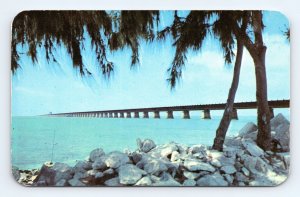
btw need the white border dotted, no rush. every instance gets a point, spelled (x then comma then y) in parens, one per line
(8, 187)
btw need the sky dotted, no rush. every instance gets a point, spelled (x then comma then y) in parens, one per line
(45, 87)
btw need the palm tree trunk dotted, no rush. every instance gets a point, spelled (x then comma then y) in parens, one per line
(225, 121)
(263, 111)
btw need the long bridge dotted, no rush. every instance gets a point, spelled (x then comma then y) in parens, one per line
(206, 108)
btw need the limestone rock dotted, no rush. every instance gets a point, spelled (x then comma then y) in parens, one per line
(116, 159)
(76, 183)
(248, 128)
(82, 166)
(212, 180)
(175, 156)
(61, 183)
(191, 175)
(252, 148)
(129, 174)
(145, 181)
(114, 182)
(196, 165)
(96, 153)
(163, 150)
(281, 126)
(229, 169)
(189, 182)
(99, 164)
(166, 180)
(146, 145)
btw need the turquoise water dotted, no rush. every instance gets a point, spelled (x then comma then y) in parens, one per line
(71, 139)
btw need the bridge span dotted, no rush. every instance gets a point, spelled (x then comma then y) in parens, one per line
(206, 108)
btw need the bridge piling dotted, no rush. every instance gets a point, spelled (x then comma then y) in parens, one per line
(146, 114)
(170, 115)
(110, 114)
(186, 114)
(156, 114)
(128, 115)
(121, 114)
(271, 112)
(234, 114)
(206, 114)
(136, 114)
(116, 115)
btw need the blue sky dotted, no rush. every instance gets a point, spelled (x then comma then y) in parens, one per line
(43, 88)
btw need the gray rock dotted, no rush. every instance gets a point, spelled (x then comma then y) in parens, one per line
(245, 171)
(61, 183)
(146, 145)
(163, 150)
(196, 165)
(76, 183)
(212, 180)
(175, 156)
(241, 177)
(136, 156)
(281, 126)
(114, 182)
(153, 165)
(99, 175)
(166, 180)
(96, 153)
(252, 148)
(145, 181)
(99, 164)
(216, 163)
(191, 175)
(233, 141)
(189, 182)
(255, 164)
(116, 159)
(16, 173)
(226, 160)
(130, 174)
(82, 166)
(109, 172)
(248, 128)
(197, 148)
(285, 157)
(228, 178)
(229, 169)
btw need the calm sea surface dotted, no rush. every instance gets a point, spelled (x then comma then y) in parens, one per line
(35, 140)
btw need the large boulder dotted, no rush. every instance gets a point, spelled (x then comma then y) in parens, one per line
(145, 181)
(247, 129)
(116, 159)
(82, 166)
(113, 182)
(166, 180)
(229, 169)
(146, 145)
(130, 174)
(281, 126)
(153, 165)
(96, 153)
(252, 148)
(215, 179)
(51, 174)
(163, 151)
(197, 165)
(99, 164)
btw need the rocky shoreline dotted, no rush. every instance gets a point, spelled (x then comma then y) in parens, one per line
(241, 163)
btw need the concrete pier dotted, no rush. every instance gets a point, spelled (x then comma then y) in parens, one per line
(234, 114)
(156, 114)
(206, 114)
(186, 114)
(271, 112)
(146, 114)
(121, 114)
(116, 115)
(136, 114)
(170, 115)
(128, 115)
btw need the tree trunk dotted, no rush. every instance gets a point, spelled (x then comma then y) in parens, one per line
(263, 111)
(225, 121)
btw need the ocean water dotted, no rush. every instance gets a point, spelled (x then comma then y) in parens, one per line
(35, 140)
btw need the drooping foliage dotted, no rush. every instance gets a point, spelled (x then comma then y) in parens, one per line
(108, 30)
(190, 32)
